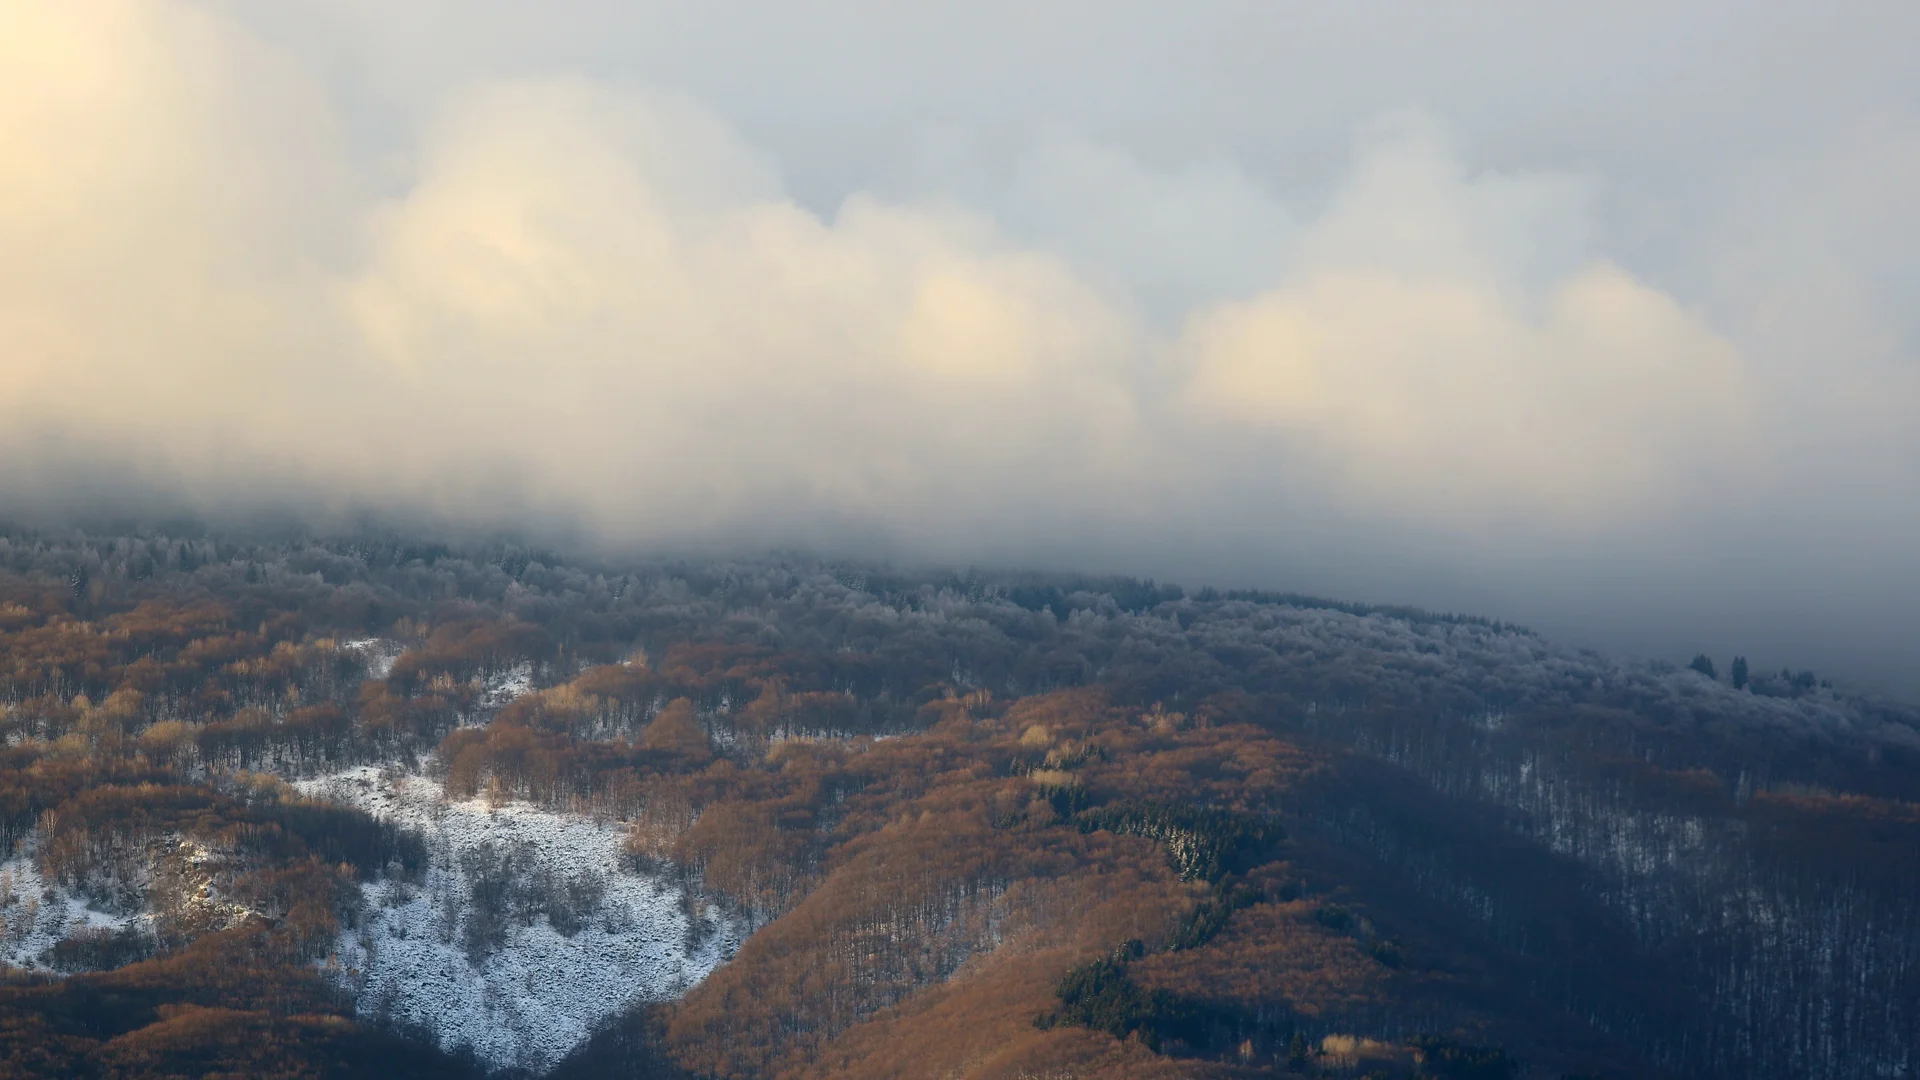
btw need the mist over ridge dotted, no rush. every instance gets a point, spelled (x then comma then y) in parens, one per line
(1644, 382)
(981, 539)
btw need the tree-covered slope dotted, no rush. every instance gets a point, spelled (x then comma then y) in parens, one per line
(968, 824)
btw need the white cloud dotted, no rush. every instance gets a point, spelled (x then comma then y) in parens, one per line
(233, 260)
(685, 348)
(1417, 347)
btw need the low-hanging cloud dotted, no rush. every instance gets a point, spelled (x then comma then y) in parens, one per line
(590, 298)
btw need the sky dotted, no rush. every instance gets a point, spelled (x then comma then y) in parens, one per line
(1600, 318)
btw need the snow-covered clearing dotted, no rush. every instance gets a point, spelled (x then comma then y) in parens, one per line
(527, 931)
(37, 914)
(502, 687)
(380, 654)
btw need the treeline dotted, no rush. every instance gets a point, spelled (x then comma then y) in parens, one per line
(1013, 634)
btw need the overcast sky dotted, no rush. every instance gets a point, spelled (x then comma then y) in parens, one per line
(1599, 317)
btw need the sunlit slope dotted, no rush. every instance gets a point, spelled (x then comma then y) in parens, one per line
(985, 824)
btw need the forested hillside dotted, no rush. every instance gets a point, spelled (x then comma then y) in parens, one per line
(378, 806)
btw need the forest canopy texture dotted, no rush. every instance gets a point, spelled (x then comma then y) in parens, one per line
(974, 823)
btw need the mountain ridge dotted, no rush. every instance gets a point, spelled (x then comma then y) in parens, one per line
(788, 740)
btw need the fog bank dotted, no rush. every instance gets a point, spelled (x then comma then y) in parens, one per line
(1598, 322)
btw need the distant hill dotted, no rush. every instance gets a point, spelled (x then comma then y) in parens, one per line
(826, 819)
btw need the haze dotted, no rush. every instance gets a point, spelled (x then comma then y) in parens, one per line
(1598, 319)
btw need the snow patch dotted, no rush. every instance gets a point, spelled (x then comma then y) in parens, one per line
(37, 914)
(527, 931)
(379, 654)
(502, 687)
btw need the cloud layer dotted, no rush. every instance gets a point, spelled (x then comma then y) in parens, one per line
(245, 261)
